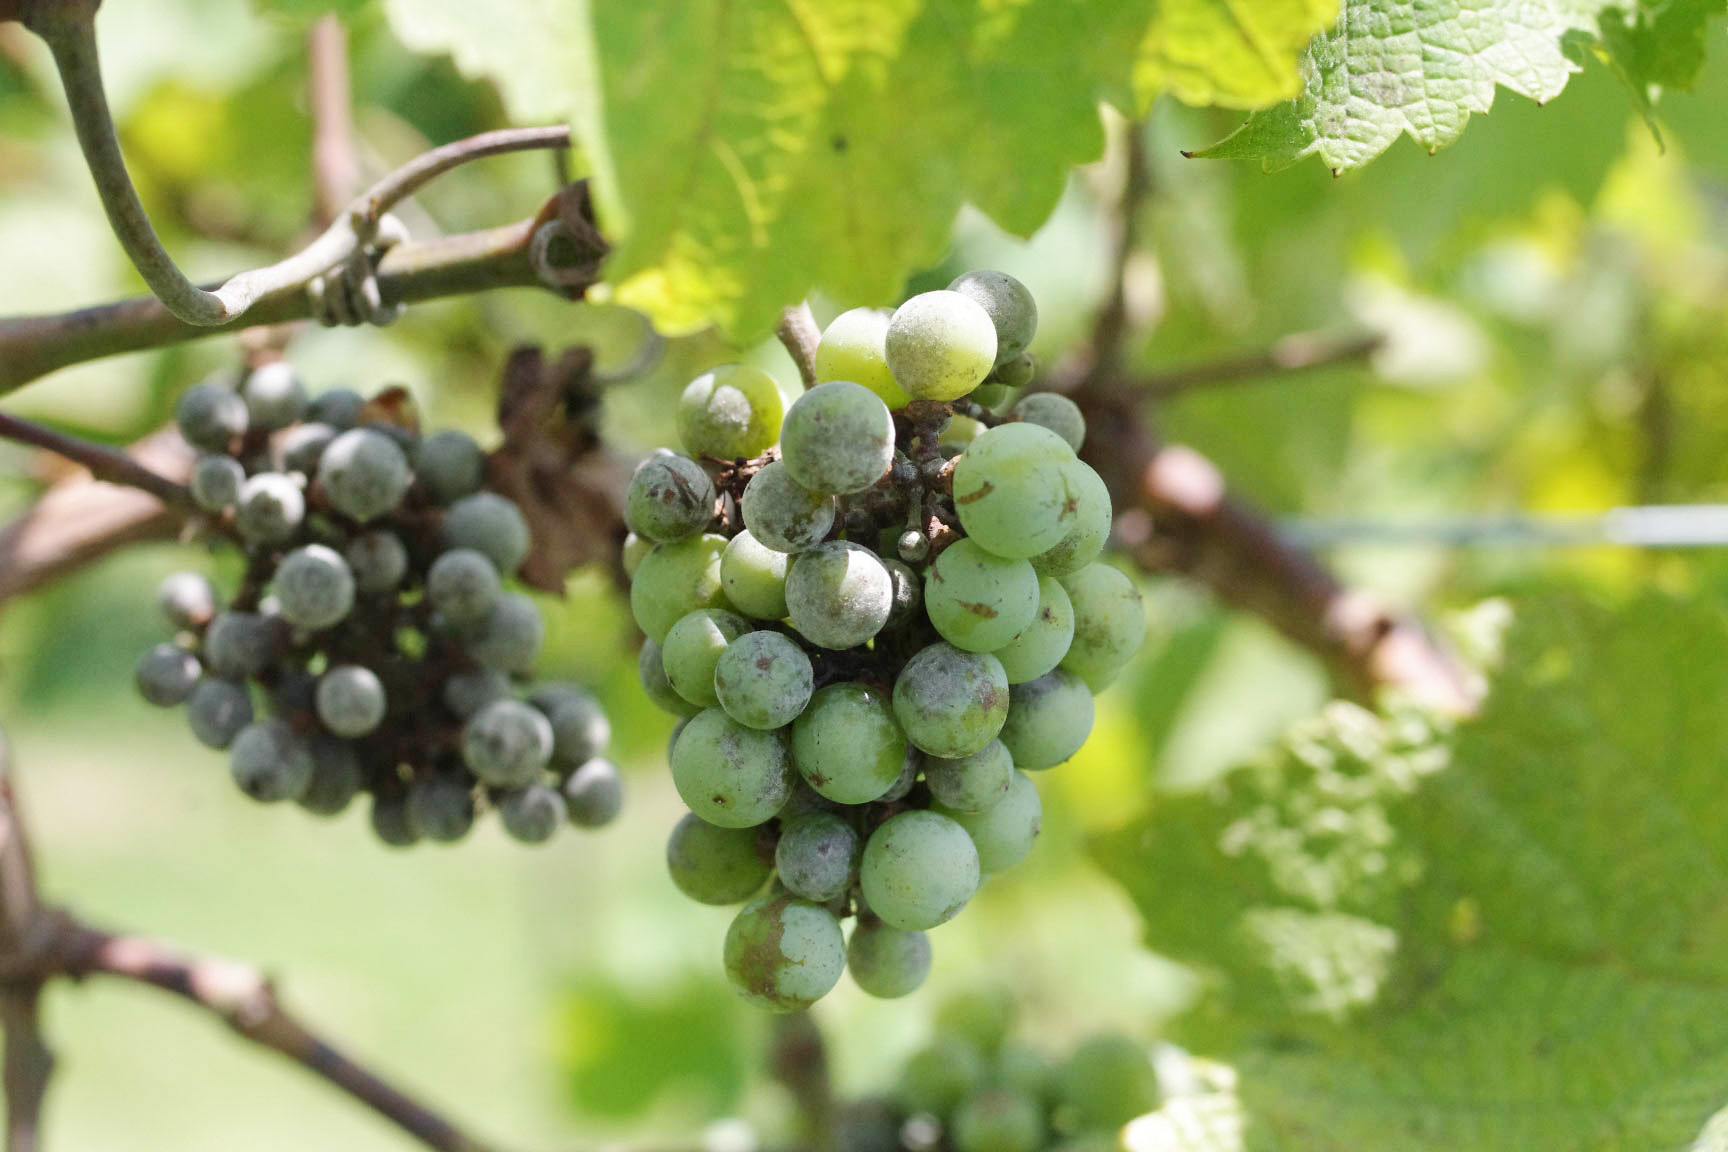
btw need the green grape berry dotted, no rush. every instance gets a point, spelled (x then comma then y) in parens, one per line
(730, 775)
(730, 412)
(951, 703)
(270, 509)
(982, 1013)
(838, 594)
(919, 870)
(714, 865)
(971, 783)
(630, 556)
(531, 813)
(580, 730)
(816, 856)
(847, 745)
(936, 1078)
(364, 474)
(270, 762)
(594, 794)
(274, 396)
(1014, 492)
(1107, 1082)
(350, 701)
(210, 417)
(1085, 540)
(940, 345)
(506, 744)
(854, 347)
(977, 601)
(692, 649)
(670, 498)
(1056, 412)
(651, 672)
(1109, 624)
(763, 680)
(1009, 305)
(508, 638)
(449, 465)
(782, 515)
(217, 710)
(998, 1120)
(887, 962)
(216, 482)
(1040, 645)
(489, 524)
(675, 580)
(1018, 372)
(838, 438)
(315, 587)
(753, 577)
(441, 806)
(166, 675)
(1003, 833)
(462, 586)
(1048, 720)
(784, 954)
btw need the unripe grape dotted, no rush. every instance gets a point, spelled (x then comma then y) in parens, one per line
(241, 644)
(302, 446)
(465, 693)
(531, 813)
(714, 865)
(509, 637)
(390, 822)
(449, 465)
(166, 675)
(594, 794)
(337, 777)
(936, 1078)
(1041, 645)
(1027, 1070)
(210, 417)
(887, 962)
(816, 856)
(580, 730)
(270, 762)
(489, 523)
(1091, 530)
(983, 1015)
(902, 787)
(1048, 720)
(1108, 1081)
(838, 594)
(364, 474)
(1014, 490)
(675, 580)
(216, 482)
(914, 546)
(940, 345)
(350, 701)
(846, 743)
(441, 806)
(971, 783)
(315, 587)
(1009, 305)
(854, 347)
(1003, 833)
(1018, 372)
(989, 395)
(506, 744)
(1056, 412)
(977, 601)
(670, 498)
(838, 438)
(908, 594)
(694, 646)
(730, 412)
(378, 560)
(274, 395)
(271, 509)
(339, 407)
(635, 547)
(187, 599)
(731, 775)
(784, 954)
(998, 1120)
(781, 514)
(763, 680)
(463, 586)
(651, 671)
(217, 710)
(753, 577)
(920, 869)
(1109, 624)
(951, 703)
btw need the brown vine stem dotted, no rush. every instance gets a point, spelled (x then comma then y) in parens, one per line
(69, 28)
(799, 333)
(28, 1063)
(1300, 352)
(335, 171)
(104, 463)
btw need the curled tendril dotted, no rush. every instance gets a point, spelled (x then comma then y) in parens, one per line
(349, 296)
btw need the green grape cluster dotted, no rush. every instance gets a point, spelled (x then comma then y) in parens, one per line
(972, 1088)
(374, 644)
(873, 630)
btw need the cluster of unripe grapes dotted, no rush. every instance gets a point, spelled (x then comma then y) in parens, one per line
(875, 630)
(973, 1089)
(372, 645)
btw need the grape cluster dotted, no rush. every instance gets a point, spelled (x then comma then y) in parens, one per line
(373, 644)
(973, 1089)
(874, 631)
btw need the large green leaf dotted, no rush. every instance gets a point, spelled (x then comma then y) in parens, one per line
(1422, 68)
(747, 151)
(1510, 938)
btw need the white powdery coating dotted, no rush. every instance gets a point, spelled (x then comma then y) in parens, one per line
(919, 870)
(463, 586)
(240, 644)
(838, 594)
(1048, 720)
(1011, 309)
(449, 465)
(509, 637)
(731, 775)
(951, 703)
(271, 508)
(489, 523)
(364, 474)
(315, 587)
(274, 396)
(379, 561)
(166, 675)
(350, 700)
(210, 417)
(978, 601)
(670, 498)
(1056, 412)
(1004, 832)
(971, 783)
(216, 482)
(580, 730)
(940, 345)
(816, 855)
(763, 680)
(531, 814)
(506, 743)
(594, 794)
(270, 762)
(729, 412)
(781, 514)
(784, 954)
(217, 710)
(838, 438)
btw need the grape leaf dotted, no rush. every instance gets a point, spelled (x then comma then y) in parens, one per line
(1510, 937)
(746, 151)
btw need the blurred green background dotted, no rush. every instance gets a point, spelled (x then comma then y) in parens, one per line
(1554, 293)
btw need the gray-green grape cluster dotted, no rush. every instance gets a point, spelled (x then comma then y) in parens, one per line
(974, 1088)
(872, 632)
(374, 645)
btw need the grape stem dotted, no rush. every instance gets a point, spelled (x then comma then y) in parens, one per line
(103, 462)
(798, 332)
(40, 943)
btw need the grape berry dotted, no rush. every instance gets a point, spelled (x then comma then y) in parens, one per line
(873, 631)
(372, 645)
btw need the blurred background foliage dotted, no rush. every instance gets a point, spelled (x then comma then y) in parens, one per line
(1554, 293)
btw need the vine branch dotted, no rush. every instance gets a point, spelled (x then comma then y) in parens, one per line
(1301, 352)
(800, 334)
(104, 463)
